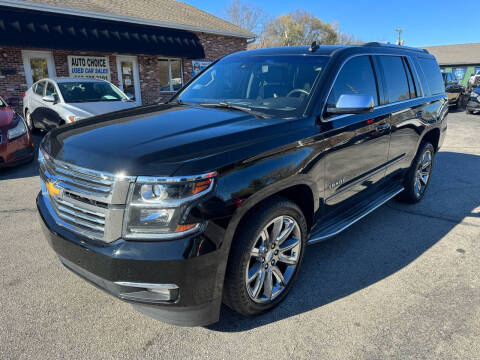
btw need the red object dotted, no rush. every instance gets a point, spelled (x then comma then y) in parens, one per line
(18, 150)
(370, 121)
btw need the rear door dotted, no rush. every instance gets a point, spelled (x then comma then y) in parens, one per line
(358, 143)
(403, 99)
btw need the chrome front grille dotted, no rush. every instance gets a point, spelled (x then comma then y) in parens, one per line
(77, 215)
(85, 201)
(79, 180)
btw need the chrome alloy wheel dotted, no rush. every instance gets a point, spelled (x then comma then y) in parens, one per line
(273, 259)
(422, 175)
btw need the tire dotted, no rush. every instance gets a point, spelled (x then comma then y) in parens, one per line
(418, 176)
(29, 121)
(469, 111)
(249, 248)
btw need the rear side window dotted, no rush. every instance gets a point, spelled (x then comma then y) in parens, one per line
(411, 82)
(397, 83)
(433, 75)
(40, 88)
(355, 77)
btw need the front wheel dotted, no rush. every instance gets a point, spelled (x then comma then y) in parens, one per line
(265, 257)
(418, 176)
(29, 121)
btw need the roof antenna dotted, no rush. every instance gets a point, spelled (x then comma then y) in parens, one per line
(314, 47)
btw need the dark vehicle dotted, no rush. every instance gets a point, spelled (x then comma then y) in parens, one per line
(16, 143)
(455, 91)
(473, 104)
(214, 195)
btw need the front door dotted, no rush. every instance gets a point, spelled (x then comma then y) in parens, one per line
(128, 78)
(38, 65)
(357, 152)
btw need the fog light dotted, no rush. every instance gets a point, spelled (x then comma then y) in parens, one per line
(150, 293)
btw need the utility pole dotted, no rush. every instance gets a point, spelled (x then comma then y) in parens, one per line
(399, 42)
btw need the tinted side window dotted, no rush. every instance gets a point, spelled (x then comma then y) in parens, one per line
(396, 78)
(355, 77)
(51, 89)
(434, 76)
(39, 90)
(411, 82)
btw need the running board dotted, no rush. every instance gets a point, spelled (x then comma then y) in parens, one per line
(339, 223)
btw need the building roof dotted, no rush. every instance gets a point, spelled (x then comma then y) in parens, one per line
(459, 54)
(165, 13)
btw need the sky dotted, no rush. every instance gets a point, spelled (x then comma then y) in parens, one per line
(425, 22)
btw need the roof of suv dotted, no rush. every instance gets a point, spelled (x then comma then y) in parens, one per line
(328, 50)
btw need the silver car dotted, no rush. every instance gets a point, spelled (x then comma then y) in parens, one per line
(50, 103)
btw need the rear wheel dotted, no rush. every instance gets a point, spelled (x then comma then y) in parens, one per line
(469, 111)
(418, 176)
(265, 257)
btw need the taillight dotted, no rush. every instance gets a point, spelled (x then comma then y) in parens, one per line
(24, 94)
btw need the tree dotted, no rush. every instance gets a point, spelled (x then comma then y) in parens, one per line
(247, 16)
(301, 28)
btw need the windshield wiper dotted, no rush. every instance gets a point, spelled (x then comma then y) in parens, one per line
(244, 109)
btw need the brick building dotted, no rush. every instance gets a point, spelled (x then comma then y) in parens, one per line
(148, 48)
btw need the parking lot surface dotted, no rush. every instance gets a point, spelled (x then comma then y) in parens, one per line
(404, 282)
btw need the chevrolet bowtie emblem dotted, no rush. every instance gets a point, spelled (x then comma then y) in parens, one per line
(52, 189)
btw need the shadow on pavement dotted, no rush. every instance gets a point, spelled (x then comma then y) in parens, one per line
(378, 246)
(24, 170)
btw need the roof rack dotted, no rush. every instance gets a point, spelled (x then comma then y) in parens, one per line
(393, 46)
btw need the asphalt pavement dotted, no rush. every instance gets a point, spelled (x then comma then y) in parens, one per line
(404, 282)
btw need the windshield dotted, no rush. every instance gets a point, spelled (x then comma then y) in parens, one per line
(272, 85)
(76, 92)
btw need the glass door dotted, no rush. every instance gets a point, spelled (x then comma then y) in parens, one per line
(128, 78)
(38, 65)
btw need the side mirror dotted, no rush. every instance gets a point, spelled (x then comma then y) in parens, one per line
(49, 98)
(352, 104)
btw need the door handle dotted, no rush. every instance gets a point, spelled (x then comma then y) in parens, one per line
(382, 127)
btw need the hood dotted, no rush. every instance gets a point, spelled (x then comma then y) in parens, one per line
(85, 110)
(159, 139)
(6, 116)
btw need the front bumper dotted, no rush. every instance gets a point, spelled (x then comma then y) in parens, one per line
(199, 278)
(17, 151)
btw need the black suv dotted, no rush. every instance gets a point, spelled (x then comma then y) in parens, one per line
(455, 91)
(215, 195)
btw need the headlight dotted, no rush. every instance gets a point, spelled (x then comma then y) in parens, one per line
(73, 118)
(156, 206)
(17, 131)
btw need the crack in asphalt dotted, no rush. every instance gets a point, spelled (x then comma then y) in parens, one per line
(29, 210)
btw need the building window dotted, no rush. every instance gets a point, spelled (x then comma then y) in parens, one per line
(170, 74)
(459, 73)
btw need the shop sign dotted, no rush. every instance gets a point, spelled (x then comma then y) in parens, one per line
(198, 66)
(89, 67)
